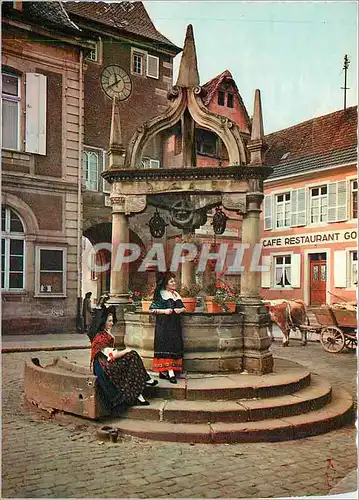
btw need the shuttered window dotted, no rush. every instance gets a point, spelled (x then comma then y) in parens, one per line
(36, 103)
(354, 199)
(319, 204)
(10, 111)
(340, 269)
(282, 271)
(298, 207)
(268, 211)
(137, 63)
(353, 263)
(153, 65)
(337, 201)
(282, 210)
(266, 273)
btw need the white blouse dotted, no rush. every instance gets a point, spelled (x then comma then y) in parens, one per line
(109, 351)
(166, 294)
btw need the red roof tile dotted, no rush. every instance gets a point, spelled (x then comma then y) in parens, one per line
(335, 131)
(211, 87)
(130, 17)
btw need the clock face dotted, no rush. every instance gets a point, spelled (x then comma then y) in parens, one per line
(116, 82)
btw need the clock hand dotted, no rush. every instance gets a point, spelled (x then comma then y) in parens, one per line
(115, 83)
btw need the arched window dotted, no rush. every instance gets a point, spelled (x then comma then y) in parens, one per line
(91, 166)
(12, 250)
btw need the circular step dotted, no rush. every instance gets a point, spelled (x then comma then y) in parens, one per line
(286, 378)
(240, 410)
(336, 413)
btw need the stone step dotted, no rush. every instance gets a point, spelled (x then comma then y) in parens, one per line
(287, 377)
(241, 410)
(338, 412)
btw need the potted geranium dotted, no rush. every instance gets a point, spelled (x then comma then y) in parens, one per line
(134, 297)
(220, 298)
(147, 297)
(189, 296)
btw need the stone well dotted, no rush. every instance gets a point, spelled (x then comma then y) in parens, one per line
(212, 342)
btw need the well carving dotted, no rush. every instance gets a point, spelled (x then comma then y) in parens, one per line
(190, 192)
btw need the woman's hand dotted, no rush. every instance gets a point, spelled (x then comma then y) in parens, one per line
(179, 310)
(120, 354)
(168, 311)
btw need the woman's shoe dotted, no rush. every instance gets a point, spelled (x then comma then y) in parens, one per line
(151, 383)
(164, 375)
(142, 403)
(173, 380)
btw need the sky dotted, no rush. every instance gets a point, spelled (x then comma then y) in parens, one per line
(292, 51)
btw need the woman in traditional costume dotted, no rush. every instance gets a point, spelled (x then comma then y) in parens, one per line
(121, 375)
(167, 305)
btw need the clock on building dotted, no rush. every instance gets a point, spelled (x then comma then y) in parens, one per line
(116, 82)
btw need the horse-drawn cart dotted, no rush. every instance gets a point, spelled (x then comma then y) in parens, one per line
(338, 328)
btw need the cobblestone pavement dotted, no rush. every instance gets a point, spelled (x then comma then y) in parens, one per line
(61, 458)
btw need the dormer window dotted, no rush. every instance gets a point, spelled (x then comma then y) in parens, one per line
(230, 100)
(225, 98)
(221, 98)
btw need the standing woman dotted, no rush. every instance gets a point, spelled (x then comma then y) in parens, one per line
(167, 305)
(121, 376)
(87, 311)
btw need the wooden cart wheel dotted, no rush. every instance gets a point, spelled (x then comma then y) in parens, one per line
(332, 339)
(351, 343)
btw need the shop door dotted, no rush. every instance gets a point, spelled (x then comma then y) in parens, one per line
(318, 282)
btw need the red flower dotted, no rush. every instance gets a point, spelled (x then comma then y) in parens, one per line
(218, 285)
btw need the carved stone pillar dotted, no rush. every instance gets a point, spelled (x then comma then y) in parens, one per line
(119, 278)
(122, 207)
(256, 355)
(188, 275)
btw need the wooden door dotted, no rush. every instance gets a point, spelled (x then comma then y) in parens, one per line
(318, 282)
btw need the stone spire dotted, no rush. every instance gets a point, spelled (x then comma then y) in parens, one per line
(116, 150)
(188, 71)
(256, 145)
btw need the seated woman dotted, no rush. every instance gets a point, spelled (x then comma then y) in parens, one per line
(121, 376)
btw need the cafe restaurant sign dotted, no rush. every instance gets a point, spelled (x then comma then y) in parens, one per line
(340, 236)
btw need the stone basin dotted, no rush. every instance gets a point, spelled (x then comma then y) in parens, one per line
(213, 343)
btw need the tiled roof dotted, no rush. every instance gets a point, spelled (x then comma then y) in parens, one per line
(212, 85)
(49, 14)
(130, 17)
(319, 143)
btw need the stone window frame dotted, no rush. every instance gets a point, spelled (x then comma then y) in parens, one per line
(6, 237)
(41, 292)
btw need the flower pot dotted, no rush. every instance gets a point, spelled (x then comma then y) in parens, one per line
(189, 303)
(213, 307)
(146, 305)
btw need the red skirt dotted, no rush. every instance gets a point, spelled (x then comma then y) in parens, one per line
(164, 364)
